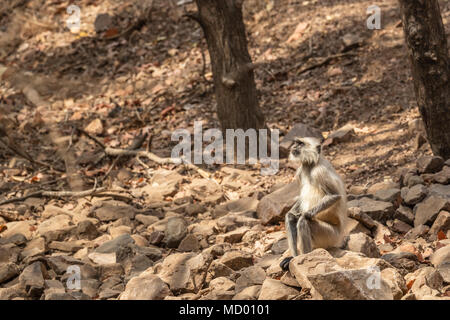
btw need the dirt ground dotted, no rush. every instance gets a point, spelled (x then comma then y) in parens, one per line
(155, 77)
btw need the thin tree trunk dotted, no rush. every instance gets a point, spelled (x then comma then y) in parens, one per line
(427, 43)
(235, 89)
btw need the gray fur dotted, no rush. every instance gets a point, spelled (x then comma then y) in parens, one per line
(317, 219)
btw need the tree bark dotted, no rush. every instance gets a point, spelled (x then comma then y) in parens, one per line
(428, 51)
(235, 89)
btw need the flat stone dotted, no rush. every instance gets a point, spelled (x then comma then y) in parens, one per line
(236, 260)
(274, 206)
(429, 164)
(249, 293)
(113, 210)
(115, 244)
(427, 211)
(8, 271)
(243, 205)
(415, 194)
(86, 230)
(400, 226)
(404, 214)
(275, 290)
(54, 224)
(350, 276)
(19, 227)
(442, 223)
(416, 232)
(32, 279)
(176, 230)
(250, 276)
(378, 210)
(443, 176)
(146, 220)
(35, 247)
(388, 195)
(189, 243)
(361, 242)
(234, 236)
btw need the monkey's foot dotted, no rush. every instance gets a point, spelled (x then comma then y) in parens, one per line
(285, 263)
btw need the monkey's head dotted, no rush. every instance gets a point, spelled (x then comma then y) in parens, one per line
(306, 151)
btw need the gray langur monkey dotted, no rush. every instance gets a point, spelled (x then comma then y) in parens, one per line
(318, 217)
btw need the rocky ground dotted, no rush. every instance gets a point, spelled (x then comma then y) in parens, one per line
(200, 247)
(162, 231)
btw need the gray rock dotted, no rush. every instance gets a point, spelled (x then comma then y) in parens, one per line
(399, 226)
(32, 279)
(378, 210)
(8, 271)
(35, 247)
(440, 190)
(250, 276)
(236, 260)
(429, 164)
(113, 210)
(389, 195)
(233, 236)
(441, 256)
(176, 230)
(194, 209)
(414, 180)
(189, 243)
(403, 261)
(146, 220)
(274, 206)
(416, 232)
(348, 276)
(360, 242)
(145, 287)
(249, 293)
(222, 284)
(415, 194)
(442, 177)
(280, 246)
(427, 211)
(442, 223)
(59, 296)
(113, 246)
(86, 230)
(425, 281)
(404, 214)
(240, 206)
(275, 290)
(17, 239)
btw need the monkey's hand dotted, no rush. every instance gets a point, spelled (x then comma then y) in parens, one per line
(285, 263)
(324, 204)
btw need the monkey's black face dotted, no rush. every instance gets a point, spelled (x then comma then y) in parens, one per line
(306, 151)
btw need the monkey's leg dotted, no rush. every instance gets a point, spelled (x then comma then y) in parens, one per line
(324, 204)
(325, 235)
(304, 234)
(291, 230)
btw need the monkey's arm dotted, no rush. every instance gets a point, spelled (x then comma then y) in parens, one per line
(324, 204)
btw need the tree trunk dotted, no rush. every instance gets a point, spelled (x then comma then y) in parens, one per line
(235, 89)
(427, 43)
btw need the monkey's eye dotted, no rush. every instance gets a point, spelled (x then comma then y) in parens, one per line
(299, 143)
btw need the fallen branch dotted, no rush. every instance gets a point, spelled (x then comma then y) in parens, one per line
(153, 157)
(325, 61)
(55, 194)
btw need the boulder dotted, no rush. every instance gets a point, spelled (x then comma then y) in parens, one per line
(274, 206)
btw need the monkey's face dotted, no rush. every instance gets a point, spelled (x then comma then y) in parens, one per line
(306, 151)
